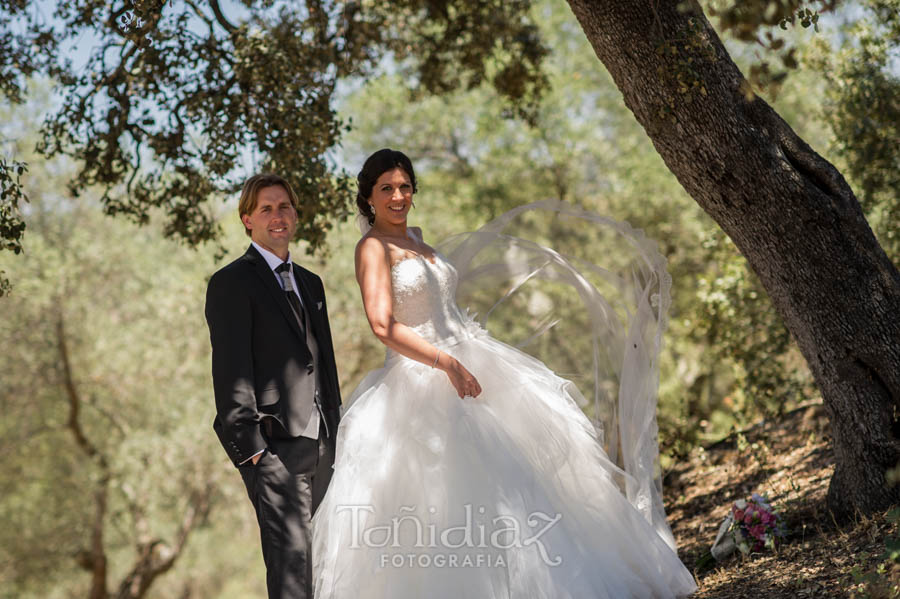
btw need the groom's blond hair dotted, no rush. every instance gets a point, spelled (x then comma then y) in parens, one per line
(251, 190)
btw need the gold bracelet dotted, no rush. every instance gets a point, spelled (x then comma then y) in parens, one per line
(436, 359)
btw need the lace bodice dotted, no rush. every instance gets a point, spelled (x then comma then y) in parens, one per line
(424, 299)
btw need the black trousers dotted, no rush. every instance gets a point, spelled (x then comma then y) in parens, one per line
(285, 487)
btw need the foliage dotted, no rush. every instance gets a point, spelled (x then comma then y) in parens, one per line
(862, 106)
(175, 93)
(12, 227)
(110, 464)
(883, 580)
(734, 317)
(755, 21)
(24, 51)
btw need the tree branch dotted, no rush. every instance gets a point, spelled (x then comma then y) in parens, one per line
(220, 17)
(156, 557)
(113, 22)
(93, 559)
(72, 393)
(200, 14)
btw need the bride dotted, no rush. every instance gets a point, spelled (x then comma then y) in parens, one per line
(466, 467)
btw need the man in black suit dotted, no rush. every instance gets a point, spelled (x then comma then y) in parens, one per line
(275, 382)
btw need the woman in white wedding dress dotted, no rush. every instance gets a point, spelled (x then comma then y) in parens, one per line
(465, 468)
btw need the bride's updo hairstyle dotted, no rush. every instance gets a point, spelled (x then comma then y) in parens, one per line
(376, 165)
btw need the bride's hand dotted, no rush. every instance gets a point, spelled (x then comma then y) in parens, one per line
(462, 380)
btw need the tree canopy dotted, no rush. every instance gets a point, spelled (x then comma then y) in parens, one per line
(173, 92)
(174, 95)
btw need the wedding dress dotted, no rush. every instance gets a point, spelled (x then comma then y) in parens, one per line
(511, 494)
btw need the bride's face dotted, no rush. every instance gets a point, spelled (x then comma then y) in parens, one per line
(392, 197)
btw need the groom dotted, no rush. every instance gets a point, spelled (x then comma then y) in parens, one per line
(275, 382)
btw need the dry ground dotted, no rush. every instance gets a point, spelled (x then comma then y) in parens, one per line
(790, 461)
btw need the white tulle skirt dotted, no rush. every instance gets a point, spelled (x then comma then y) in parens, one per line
(505, 496)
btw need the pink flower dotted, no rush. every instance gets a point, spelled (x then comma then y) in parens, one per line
(738, 515)
(758, 531)
(748, 517)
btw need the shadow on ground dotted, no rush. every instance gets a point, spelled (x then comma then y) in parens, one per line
(790, 460)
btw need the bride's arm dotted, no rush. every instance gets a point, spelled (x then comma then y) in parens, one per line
(373, 273)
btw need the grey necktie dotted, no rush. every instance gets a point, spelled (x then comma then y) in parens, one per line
(284, 271)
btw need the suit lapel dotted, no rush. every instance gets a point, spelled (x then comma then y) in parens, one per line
(268, 280)
(310, 304)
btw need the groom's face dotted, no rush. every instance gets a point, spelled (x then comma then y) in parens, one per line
(273, 222)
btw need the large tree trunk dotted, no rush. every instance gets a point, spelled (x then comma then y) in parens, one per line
(789, 212)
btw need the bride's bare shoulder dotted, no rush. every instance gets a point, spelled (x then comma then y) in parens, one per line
(370, 247)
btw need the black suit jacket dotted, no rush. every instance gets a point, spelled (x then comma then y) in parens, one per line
(260, 360)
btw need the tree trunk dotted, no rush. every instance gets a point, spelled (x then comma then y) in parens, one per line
(788, 210)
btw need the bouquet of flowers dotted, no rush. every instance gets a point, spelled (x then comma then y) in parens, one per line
(756, 525)
(751, 526)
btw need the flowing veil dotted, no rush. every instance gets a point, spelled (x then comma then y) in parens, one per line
(588, 296)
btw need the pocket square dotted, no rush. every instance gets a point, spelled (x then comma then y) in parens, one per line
(319, 305)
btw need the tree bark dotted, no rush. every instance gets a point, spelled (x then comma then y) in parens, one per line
(788, 210)
(156, 557)
(94, 559)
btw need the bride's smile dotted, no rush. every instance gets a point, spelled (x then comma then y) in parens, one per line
(391, 199)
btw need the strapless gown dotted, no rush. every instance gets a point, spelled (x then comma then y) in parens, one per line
(508, 495)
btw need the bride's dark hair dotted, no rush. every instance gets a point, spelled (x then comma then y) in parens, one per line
(376, 165)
